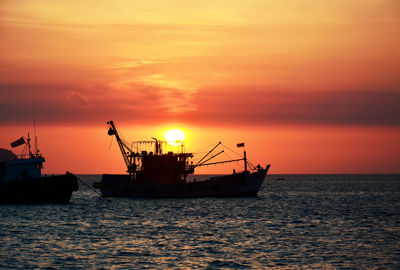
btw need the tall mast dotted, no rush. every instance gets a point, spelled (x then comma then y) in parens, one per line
(245, 160)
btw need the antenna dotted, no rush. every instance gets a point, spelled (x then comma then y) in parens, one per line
(34, 129)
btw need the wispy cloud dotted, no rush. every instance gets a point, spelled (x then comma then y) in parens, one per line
(133, 64)
(319, 63)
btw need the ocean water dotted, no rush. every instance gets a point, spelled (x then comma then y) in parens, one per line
(297, 222)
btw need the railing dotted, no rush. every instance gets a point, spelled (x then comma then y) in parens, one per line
(27, 156)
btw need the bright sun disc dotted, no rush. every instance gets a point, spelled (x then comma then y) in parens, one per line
(174, 137)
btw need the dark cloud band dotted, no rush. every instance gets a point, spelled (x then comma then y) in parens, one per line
(64, 105)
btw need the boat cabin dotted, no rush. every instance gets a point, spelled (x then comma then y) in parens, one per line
(29, 168)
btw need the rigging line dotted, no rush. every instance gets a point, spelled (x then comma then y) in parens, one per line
(233, 165)
(227, 155)
(197, 156)
(24, 150)
(199, 152)
(248, 162)
(199, 164)
(231, 150)
(95, 191)
(209, 152)
(251, 164)
(204, 148)
(111, 141)
(220, 162)
(122, 138)
(124, 141)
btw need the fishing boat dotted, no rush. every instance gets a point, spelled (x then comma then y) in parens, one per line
(165, 175)
(21, 180)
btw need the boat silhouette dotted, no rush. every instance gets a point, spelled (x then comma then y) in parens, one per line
(165, 175)
(21, 180)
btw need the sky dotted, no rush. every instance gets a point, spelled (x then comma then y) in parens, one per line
(309, 86)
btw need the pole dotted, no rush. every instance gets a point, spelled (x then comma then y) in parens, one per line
(198, 162)
(29, 146)
(245, 160)
(209, 158)
(34, 129)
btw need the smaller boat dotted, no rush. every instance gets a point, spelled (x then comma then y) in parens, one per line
(21, 180)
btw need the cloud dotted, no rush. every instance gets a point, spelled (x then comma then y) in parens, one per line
(136, 63)
(149, 68)
(146, 104)
(70, 104)
(258, 107)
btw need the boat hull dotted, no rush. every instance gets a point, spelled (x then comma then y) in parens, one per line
(236, 185)
(55, 189)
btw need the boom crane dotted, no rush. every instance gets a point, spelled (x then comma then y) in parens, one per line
(126, 151)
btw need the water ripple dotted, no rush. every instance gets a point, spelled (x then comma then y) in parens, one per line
(302, 222)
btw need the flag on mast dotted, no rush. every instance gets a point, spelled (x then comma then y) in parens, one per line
(240, 144)
(18, 142)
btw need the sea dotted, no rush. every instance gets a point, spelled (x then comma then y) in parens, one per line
(296, 222)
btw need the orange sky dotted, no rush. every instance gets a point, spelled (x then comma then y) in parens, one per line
(310, 86)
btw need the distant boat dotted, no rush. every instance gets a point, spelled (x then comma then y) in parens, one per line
(21, 180)
(158, 175)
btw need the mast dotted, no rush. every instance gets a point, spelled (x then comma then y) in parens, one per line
(204, 163)
(29, 146)
(245, 160)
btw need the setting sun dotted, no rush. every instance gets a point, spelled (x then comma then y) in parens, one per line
(174, 137)
(311, 87)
